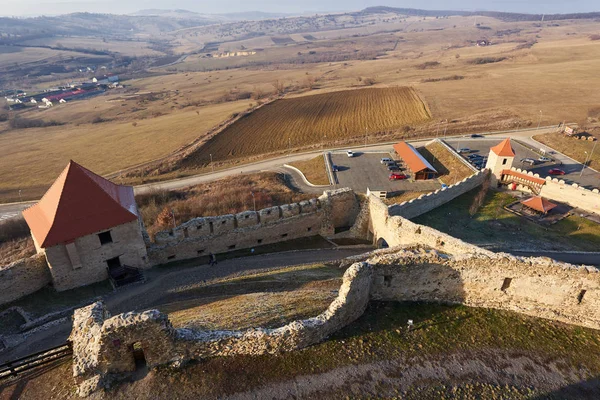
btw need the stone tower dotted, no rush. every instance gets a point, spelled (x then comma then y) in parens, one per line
(500, 158)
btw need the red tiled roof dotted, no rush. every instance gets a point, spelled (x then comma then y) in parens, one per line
(79, 203)
(415, 161)
(504, 149)
(509, 172)
(539, 204)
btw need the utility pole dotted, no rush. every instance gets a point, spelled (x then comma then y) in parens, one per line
(366, 137)
(211, 164)
(446, 128)
(540, 121)
(437, 131)
(253, 200)
(588, 158)
(289, 146)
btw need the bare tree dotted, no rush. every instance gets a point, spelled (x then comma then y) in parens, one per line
(279, 86)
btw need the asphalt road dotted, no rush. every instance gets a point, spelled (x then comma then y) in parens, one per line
(277, 163)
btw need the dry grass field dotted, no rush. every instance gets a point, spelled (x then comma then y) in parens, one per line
(308, 119)
(549, 67)
(573, 147)
(126, 47)
(314, 170)
(33, 158)
(450, 168)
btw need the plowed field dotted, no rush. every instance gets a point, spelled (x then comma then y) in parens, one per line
(312, 119)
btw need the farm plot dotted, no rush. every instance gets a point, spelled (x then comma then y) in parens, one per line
(313, 119)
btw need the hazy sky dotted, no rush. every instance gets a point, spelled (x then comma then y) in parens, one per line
(37, 7)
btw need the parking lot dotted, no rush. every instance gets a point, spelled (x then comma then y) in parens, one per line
(365, 170)
(572, 169)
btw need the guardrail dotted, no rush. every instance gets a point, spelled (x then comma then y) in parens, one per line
(18, 366)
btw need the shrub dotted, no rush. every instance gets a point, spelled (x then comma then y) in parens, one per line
(24, 123)
(595, 37)
(486, 60)
(428, 64)
(14, 228)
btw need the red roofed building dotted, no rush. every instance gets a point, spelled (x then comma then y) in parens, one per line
(416, 163)
(539, 204)
(86, 225)
(501, 157)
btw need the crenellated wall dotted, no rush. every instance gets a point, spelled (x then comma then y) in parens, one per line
(201, 236)
(434, 268)
(23, 277)
(427, 202)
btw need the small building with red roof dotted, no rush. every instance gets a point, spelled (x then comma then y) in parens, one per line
(500, 158)
(416, 163)
(539, 204)
(86, 225)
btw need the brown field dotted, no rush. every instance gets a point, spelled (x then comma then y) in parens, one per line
(131, 48)
(36, 156)
(314, 170)
(305, 120)
(450, 168)
(572, 147)
(556, 74)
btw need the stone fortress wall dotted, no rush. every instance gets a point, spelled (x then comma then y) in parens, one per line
(427, 266)
(201, 236)
(102, 346)
(23, 277)
(430, 201)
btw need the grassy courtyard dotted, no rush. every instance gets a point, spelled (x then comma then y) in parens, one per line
(493, 226)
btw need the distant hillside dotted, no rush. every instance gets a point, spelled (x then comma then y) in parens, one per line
(504, 16)
(88, 24)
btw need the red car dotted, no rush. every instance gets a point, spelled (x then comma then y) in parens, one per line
(556, 171)
(397, 177)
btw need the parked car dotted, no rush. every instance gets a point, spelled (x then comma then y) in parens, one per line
(444, 186)
(349, 153)
(393, 168)
(556, 171)
(543, 159)
(464, 150)
(529, 161)
(392, 162)
(474, 156)
(475, 136)
(386, 160)
(335, 168)
(395, 176)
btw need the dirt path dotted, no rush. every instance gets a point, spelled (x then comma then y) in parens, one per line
(161, 281)
(489, 372)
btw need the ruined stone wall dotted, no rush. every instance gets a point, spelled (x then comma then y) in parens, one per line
(83, 262)
(23, 277)
(399, 231)
(539, 287)
(201, 236)
(427, 202)
(103, 347)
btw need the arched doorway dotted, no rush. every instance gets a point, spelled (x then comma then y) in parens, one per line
(382, 244)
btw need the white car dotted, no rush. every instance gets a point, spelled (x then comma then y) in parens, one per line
(386, 160)
(350, 153)
(543, 159)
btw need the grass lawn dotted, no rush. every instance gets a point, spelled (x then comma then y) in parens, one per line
(451, 169)
(572, 147)
(493, 226)
(313, 170)
(267, 299)
(381, 334)
(47, 300)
